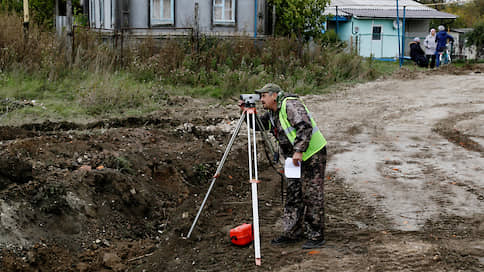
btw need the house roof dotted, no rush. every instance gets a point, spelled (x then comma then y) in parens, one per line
(461, 30)
(384, 9)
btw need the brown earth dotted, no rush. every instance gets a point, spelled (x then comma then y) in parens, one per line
(404, 186)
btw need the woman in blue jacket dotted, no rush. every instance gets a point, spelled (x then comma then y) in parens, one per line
(441, 40)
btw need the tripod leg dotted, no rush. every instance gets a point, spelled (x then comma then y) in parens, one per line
(217, 173)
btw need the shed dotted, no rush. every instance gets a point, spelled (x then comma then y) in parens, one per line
(372, 27)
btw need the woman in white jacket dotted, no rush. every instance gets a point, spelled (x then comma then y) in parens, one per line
(430, 46)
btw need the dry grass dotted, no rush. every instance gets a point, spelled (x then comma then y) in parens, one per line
(211, 66)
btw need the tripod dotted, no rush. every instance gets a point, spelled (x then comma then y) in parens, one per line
(249, 113)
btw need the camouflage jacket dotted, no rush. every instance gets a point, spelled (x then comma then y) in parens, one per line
(299, 119)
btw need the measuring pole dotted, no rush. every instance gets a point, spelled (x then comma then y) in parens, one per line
(248, 113)
(255, 209)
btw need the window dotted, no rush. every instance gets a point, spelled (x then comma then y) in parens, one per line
(376, 33)
(162, 12)
(224, 12)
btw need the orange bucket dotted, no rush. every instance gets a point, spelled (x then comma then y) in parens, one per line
(242, 235)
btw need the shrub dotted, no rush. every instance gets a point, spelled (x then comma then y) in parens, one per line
(213, 66)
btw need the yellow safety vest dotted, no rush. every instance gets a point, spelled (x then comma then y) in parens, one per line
(317, 141)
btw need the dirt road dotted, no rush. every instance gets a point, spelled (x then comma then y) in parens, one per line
(404, 186)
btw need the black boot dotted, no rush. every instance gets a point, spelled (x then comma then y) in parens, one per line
(283, 240)
(314, 243)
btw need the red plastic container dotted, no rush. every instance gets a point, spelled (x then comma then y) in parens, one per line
(242, 235)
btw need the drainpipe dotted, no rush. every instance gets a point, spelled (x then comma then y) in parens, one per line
(255, 19)
(337, 20)
(398, 35)
(403, 34)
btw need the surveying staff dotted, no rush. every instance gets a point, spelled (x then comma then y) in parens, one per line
(290, 122)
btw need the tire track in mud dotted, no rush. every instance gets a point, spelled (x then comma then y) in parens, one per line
(446, 128)
(48, 127)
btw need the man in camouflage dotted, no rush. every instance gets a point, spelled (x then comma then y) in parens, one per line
(304, 209)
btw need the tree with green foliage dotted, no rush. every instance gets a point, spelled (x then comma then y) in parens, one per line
(42, 11)
(476, 37)
(302, 19)
(468, 13)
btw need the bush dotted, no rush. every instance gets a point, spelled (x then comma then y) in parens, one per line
(216, 67)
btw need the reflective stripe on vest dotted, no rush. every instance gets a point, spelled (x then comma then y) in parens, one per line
(317, 141)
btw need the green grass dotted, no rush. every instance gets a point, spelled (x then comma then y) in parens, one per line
(100, 81)
(82, 96)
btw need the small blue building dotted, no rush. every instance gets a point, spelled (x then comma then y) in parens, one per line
(372, 27)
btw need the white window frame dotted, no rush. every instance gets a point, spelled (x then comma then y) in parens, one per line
(170, 21)
(380, 34)
(113, 10)
(101, 13)
(223, 21)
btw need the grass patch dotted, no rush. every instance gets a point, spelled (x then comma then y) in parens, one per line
(100, 81)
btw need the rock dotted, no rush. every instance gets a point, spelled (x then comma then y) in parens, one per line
(81, 267)
(111, 260)
(85, 168)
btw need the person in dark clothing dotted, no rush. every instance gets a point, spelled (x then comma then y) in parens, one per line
(417, 54)
(441, 39)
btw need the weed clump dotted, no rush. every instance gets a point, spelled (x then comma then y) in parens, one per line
(106, 73)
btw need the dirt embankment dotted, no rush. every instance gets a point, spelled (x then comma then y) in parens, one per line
(404, 187)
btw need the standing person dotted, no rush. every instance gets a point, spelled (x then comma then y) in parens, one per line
(441, 40)
(299, 138)
(417, 54)
(430, 48)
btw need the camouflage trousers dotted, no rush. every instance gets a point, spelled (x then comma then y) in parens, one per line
(304, 209)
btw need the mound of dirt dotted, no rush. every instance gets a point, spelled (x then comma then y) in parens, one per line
(403, 189)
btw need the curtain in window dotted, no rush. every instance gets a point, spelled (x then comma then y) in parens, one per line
(228, 10)
(156, 9)
(218, 8)
(223, 10)
(167, 9)
(162, 9)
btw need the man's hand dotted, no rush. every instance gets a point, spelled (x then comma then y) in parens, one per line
(241, 104)
(297, 158)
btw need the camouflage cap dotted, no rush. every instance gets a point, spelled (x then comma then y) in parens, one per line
(269, 88)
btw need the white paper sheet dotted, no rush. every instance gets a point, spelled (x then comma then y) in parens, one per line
(290, 170)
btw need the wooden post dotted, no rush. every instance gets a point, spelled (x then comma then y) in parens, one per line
(197, 27)
(69, 29)
(56, 17)
(273, 20)
(26, 15)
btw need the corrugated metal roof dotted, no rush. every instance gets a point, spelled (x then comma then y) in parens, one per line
(376, 3)
(384, 9)
(392, 13)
